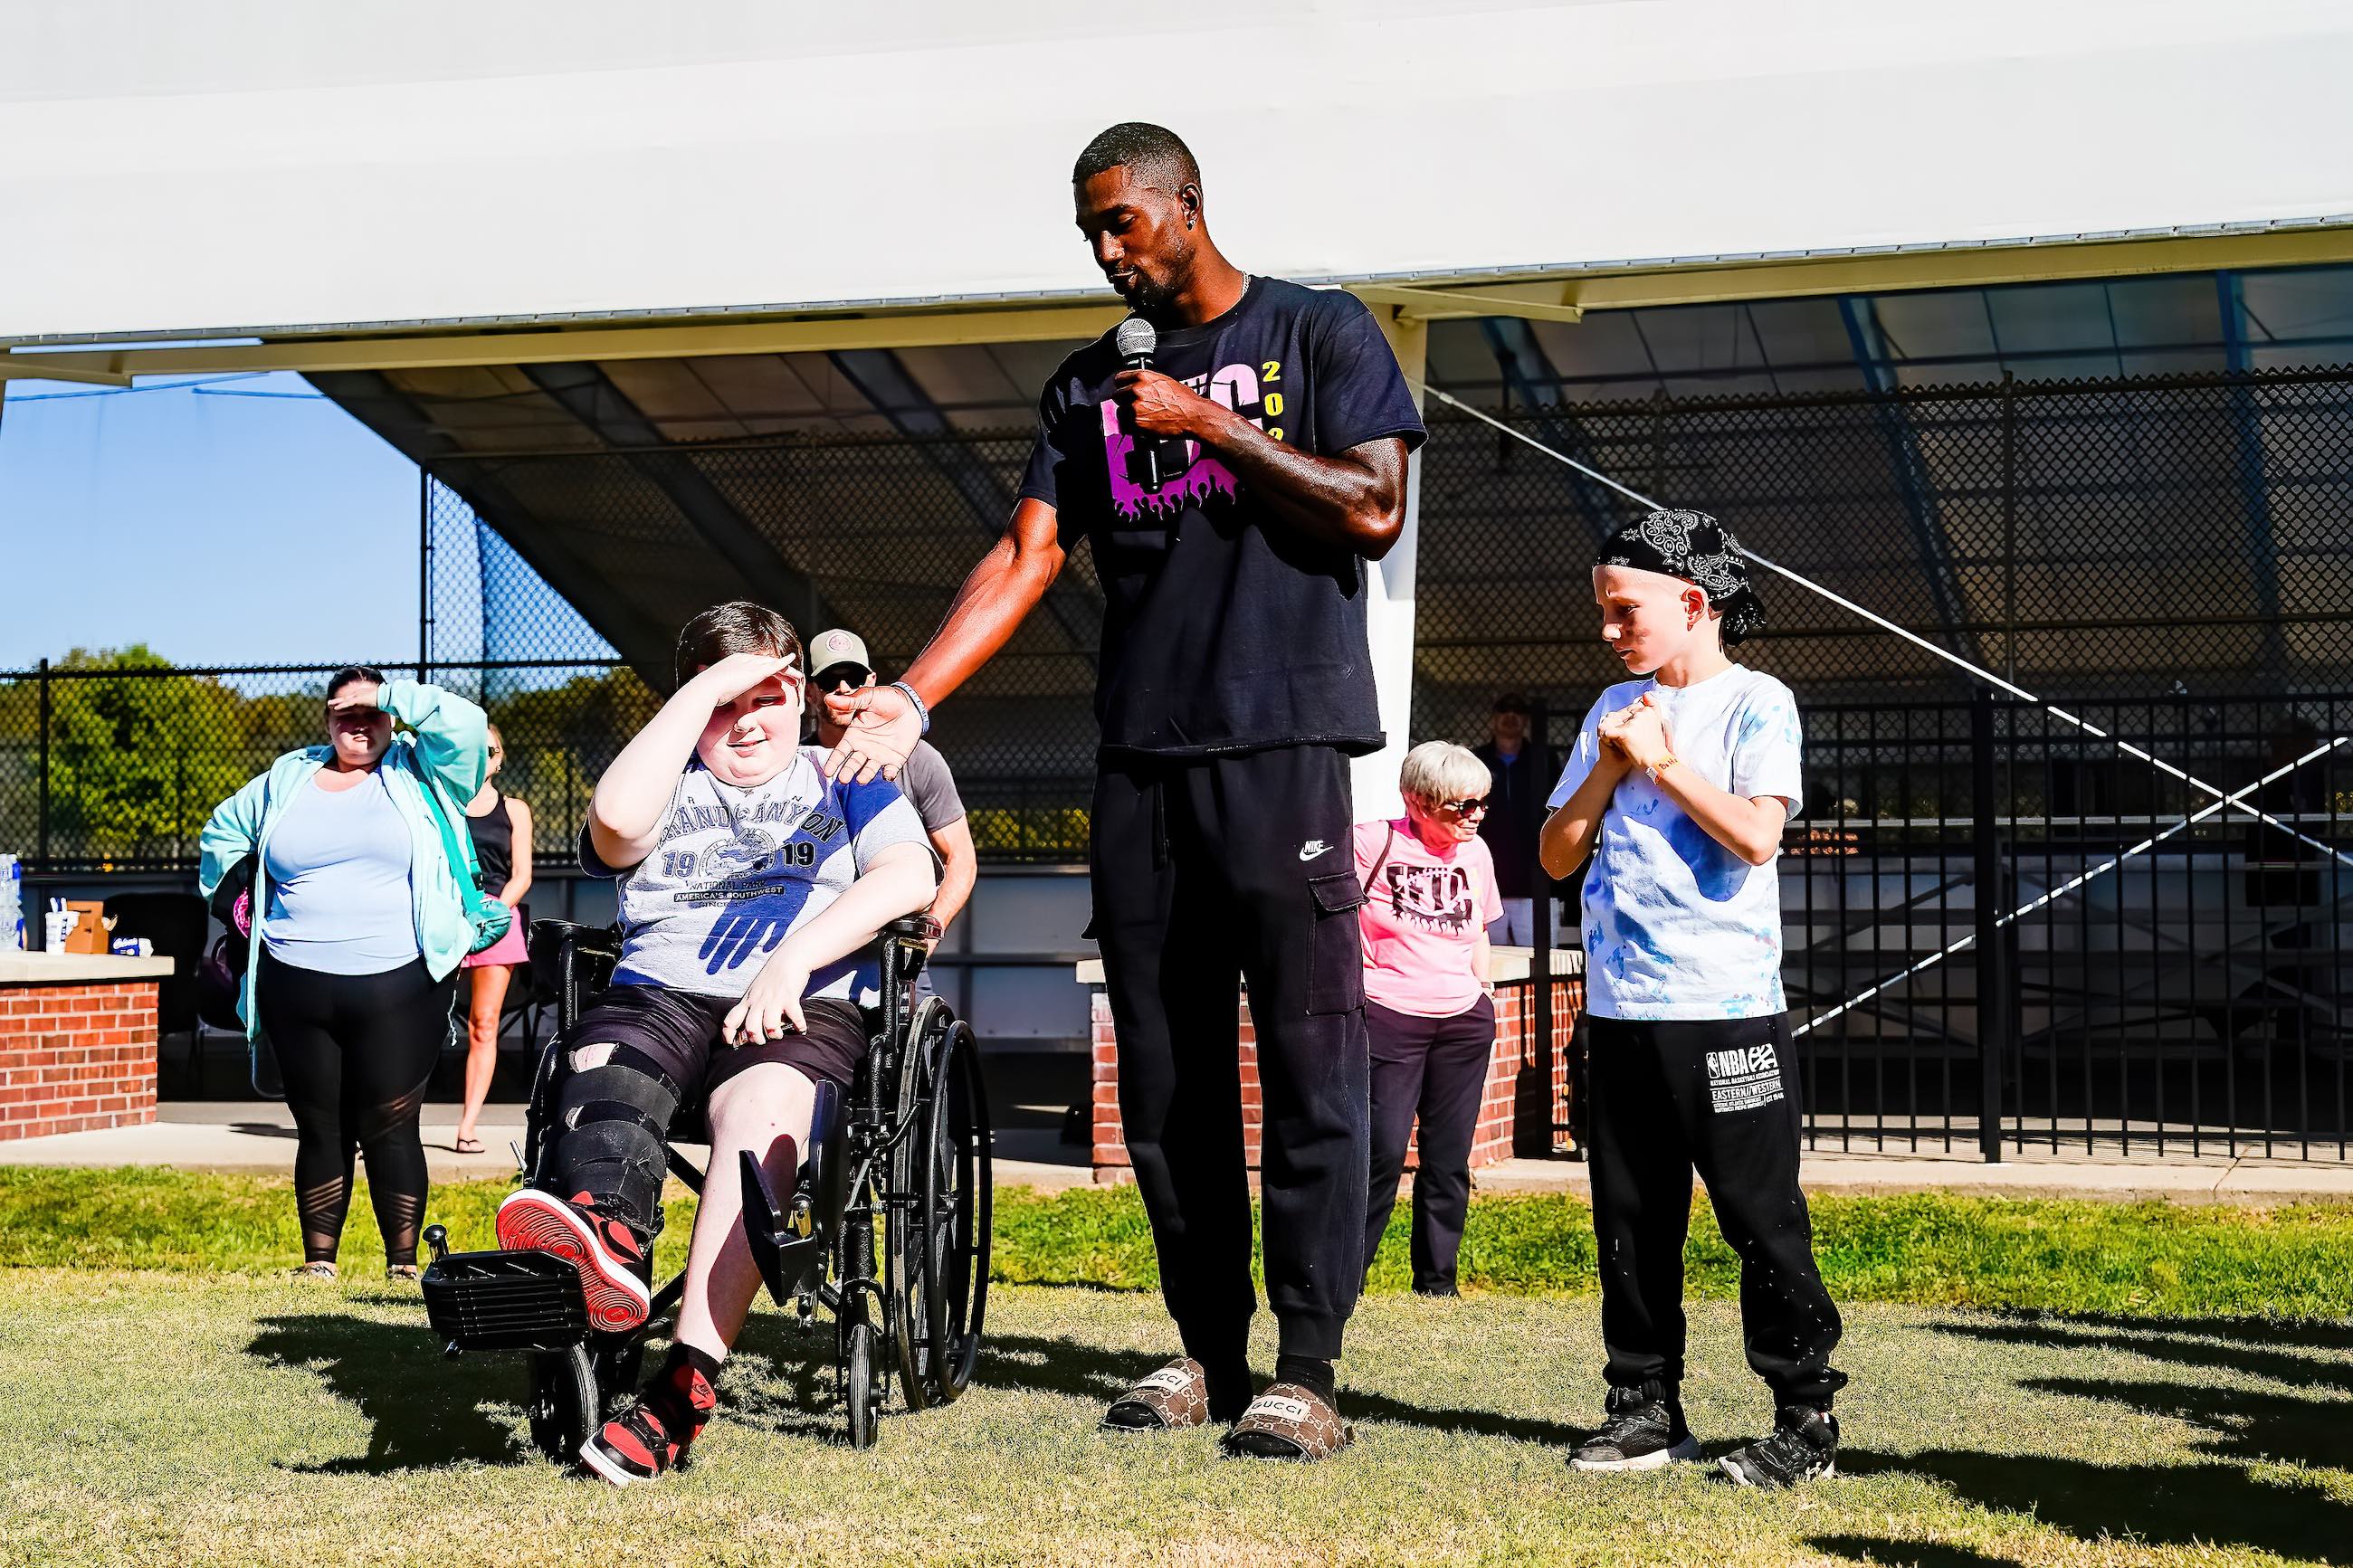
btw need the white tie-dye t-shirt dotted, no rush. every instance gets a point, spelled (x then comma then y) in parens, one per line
(1676, 925)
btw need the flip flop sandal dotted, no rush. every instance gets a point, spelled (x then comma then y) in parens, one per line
(1171, 1400)
(469, 1145)
(1289, 1421)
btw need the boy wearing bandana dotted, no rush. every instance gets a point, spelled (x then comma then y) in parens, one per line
(1678, 788)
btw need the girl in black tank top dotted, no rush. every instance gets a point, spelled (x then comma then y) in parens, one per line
(500, 827)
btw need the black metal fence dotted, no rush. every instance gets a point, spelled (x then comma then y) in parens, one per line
(2004, 933)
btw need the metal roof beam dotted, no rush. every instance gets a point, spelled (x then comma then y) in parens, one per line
(588, 394)
(885, 381)
(1529, 374)
(2263, 544)
(1910, 467)
(616, 617)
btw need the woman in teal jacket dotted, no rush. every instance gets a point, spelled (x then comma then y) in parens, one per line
(359, 925)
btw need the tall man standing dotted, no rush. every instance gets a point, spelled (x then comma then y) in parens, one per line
(1233, 492)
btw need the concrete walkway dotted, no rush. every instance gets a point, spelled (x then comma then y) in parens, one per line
(258, 1137)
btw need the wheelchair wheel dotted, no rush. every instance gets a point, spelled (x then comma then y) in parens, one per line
(943, 1174)
(565, 1405)
(859, 1397)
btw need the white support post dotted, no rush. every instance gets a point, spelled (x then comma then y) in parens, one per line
(1390, 604)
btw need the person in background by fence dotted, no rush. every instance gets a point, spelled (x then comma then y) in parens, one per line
(1520, 770)
(499, 826)
(839, 667)
(1430, 891)
(1678, 788)
(361, 925)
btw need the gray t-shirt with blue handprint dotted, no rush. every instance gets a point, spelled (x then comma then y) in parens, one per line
(1677, 926)
(739, 870)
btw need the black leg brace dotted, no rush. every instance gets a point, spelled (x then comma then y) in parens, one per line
(610, 1133)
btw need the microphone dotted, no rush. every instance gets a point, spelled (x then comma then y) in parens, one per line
(1133, 341)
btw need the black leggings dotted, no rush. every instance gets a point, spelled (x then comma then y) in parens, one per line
(356, 1052)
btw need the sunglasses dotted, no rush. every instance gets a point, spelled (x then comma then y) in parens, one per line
(1474, 806)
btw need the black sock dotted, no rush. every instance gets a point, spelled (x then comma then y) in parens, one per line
(1308, 1371)
(1225, 1368)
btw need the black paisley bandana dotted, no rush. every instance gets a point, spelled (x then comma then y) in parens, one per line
(1694, 547)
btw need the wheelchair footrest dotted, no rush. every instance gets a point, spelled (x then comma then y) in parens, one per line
(505, 1301)
(789, 1260)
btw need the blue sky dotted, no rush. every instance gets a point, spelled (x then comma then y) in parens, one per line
(251, 521)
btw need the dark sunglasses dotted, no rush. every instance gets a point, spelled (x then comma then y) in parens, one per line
(1471, 807)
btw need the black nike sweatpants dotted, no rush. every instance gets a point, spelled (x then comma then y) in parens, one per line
(1207, 872)
(1720, 1097)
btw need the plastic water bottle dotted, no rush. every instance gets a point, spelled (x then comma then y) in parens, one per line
(11, 904)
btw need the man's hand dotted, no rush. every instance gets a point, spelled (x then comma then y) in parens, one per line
(770, 1004)
(879, 730)
(1156, 405)
(738, 673)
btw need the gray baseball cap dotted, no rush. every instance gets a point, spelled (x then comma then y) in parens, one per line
(827, 649)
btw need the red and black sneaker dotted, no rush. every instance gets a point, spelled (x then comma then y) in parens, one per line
(607, 1253)
(651, 1435)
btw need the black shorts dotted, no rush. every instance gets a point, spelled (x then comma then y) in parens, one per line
(681, 1030)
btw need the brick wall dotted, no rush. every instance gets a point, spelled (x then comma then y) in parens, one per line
(76, 1057)
(1492, 1140)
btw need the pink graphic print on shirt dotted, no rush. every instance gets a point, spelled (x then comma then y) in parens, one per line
(1236, 387)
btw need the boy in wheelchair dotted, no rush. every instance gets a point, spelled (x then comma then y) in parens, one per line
(750, 890)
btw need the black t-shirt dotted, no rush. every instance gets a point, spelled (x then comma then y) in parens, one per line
(1225, 629)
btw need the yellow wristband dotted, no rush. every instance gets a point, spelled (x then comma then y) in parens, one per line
(1661, 765)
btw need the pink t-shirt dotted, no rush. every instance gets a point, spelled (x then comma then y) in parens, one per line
(1422, 918)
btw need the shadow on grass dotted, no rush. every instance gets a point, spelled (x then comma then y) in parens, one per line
(1895, 1554)
(802, 1361)
(2165, 1505)
(424, 1411)
(1092, 1373)
(2248, 1345)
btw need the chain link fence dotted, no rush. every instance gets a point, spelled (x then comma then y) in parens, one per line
(2110, 538)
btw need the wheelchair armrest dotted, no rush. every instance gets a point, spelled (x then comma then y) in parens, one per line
(552, 939)
(912, 927)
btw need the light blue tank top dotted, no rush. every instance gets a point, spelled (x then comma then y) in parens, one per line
(339, 893)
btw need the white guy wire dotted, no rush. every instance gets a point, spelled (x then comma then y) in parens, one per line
(2159, 763)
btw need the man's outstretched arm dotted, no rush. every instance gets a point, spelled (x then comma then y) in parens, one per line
(880, 727)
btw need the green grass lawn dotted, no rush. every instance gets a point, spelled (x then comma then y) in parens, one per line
(172, 1401)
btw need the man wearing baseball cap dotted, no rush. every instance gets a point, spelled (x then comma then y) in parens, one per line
(837, 663)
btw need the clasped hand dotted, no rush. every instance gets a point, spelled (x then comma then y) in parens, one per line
(1638, 734)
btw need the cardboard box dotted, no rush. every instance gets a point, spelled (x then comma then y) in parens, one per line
(89, 934)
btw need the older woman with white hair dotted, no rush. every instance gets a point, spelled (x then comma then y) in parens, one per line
(1430, 891)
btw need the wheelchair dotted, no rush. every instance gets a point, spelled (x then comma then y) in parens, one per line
(886, 1228)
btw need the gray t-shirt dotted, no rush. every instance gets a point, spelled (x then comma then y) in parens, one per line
(932, 787)
(737, 870)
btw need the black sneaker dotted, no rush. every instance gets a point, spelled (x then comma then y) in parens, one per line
(1644, 1431)
(1803, 1444)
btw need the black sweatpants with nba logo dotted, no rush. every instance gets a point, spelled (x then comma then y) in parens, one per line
(1720, 1098)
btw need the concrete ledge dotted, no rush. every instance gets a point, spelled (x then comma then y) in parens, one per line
(35, 968)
